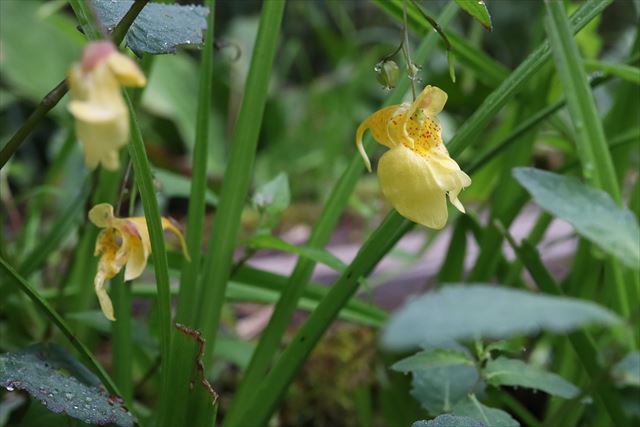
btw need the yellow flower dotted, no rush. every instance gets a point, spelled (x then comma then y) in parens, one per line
(416, 173)
(123, 241)
(102, 119)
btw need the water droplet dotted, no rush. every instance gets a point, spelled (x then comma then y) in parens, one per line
(50, 394)
(68, 395)
(10, 388)
(88, 399)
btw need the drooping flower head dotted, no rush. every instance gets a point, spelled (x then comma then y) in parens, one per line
(123, 242)
(416, 173)
(102, 120)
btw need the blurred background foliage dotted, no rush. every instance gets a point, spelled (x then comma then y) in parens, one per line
(323, 85)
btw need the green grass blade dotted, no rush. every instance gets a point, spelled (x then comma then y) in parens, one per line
(172, 411)
(269, 392)
(144, 181)
(47, 310)
(592, 145)
(238, 175)
(272, 335)
(472, 128)
(482, 65)
(624, 71)
(60, 230)
(597, 165)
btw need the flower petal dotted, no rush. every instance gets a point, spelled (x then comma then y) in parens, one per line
(448, 175)
(407, 182)
(137, 255)
(102, 215)
(103, 297)
(169, 226)
(377, 123)
(126, 70)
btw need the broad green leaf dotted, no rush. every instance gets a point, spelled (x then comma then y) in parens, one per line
(425, 360)
(159, 28)
(266, 241)
(592, 212)
(41, 371)
(439, 389)
(627, 371)
(459, 312)
(448, 420)
(513, 372)
(492, 417)
(478, 10)
(624, 71)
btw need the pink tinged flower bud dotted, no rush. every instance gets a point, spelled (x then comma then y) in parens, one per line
(102, 119)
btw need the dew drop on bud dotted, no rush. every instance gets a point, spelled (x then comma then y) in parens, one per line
(387, 73)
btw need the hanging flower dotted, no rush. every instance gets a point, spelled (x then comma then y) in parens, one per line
(102, 119)
(416, 173)
(122, 242)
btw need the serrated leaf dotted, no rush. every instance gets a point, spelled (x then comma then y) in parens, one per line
(274, 196)
(627, 371)
(513, 372)
(426, 360)
(40, 370)
(267, 241)
(448, 420)
(470, 407)
(478, 10)
(457, 312)
(159, 28)
(592, 212)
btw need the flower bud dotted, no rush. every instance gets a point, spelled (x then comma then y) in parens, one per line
(387, 73)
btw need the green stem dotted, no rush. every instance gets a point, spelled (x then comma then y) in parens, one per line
(173, 412)
(594, 154)
(147, 191)
(269, 392)
(291, 294)
(55, 95)
(44, 306)
(237, 177)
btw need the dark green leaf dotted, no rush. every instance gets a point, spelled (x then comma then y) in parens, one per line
(488, 416)
(44, 374)
(465, 312)
(159, 28)
(425, 360)
(447, 420)
(478, 10)
(592, 212)
(513, 372)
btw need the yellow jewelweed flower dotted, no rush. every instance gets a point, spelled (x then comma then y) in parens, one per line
(416, 173)
(102, 119)
(123, 241)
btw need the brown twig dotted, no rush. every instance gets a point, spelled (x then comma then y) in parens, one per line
(195, 334)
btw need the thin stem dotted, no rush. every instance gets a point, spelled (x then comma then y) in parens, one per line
(407, 51)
